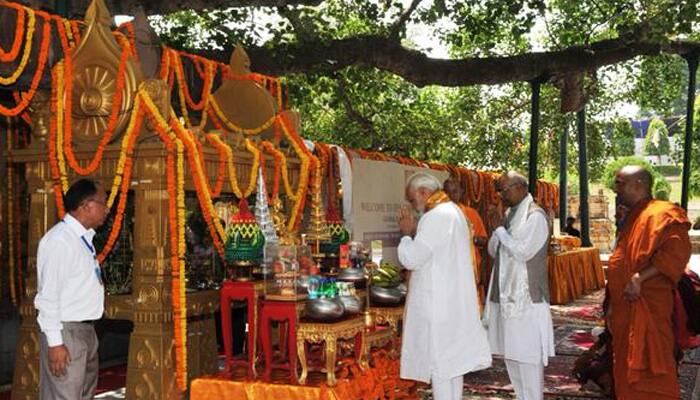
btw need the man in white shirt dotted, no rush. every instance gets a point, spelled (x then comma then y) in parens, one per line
(443, 338)
(70, 296)
(517, 311)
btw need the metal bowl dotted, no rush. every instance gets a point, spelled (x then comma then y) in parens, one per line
(380, 296)
(324, 309)
(353, 304)
(354, 275)
(403, 288)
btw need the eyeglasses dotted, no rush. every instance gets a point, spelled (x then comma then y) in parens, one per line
(100, 202)
(505, 189)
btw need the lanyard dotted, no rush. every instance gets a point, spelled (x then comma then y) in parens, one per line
(92, 249)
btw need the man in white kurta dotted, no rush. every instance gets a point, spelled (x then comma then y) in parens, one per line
(443, 337)
(517, 309)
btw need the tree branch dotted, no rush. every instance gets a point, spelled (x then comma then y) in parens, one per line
(160, 7)
(401, 22)
(353, 114)
(414, 66)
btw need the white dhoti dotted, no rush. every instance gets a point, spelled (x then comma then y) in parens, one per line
(526, 343)
(447, 388)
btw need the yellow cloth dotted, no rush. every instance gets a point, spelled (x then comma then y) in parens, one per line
(573, 273)
(212, 388)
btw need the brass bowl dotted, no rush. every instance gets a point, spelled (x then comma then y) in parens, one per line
(324, 309)
(380, 296)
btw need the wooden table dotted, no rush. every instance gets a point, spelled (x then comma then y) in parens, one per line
(388, 315)
(329, 333)
(378, 337)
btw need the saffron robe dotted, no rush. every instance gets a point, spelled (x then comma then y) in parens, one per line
(655, 234)
(478, 230)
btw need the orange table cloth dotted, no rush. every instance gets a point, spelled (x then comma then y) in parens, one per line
(213, 388)
(574, 273)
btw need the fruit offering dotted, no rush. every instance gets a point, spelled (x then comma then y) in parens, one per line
(387, 275)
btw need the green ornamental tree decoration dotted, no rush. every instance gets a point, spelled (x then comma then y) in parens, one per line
(656, 142)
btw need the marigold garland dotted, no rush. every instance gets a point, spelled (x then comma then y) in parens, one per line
(233, 177)
(29, 36)
(307, 164)
(9, 56)
(181, 310)
(277, 156)
(53, 149)
(198, 176)
(41, 63)
(221, 170)
(230, 126)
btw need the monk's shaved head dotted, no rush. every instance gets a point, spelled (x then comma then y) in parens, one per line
(633, 183)
(639, 175)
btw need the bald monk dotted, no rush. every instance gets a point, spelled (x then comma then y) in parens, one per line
(653, 249)
(455, 191)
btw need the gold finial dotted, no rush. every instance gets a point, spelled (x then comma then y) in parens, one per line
(98, 13)
(240, 62)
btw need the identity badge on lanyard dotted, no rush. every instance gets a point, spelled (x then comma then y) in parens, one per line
(98, 270)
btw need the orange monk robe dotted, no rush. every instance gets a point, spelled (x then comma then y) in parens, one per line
(478, 230)
(655, 234)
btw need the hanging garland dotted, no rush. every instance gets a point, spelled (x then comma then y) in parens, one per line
(233, 177)
(56, 74)
(277, 156)
(9, 56)
(175, 190)
(31, 25)
(221, 170)
(41, 63)
(307, 164)
(199, 177)
(230, 126)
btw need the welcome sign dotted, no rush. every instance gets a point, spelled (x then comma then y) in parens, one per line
(378, 191)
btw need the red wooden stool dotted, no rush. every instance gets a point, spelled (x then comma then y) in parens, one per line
(273, 310)
(250, 292)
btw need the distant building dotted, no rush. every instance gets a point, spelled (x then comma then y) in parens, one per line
(675, 135)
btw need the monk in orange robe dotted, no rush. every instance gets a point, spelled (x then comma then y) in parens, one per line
(652, 250)
(455, 191)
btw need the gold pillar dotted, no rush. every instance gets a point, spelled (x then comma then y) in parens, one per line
(42, 216)
(151, 368)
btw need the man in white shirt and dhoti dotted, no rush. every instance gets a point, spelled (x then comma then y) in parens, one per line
(443, 338)
(70, 296)
(517, 312)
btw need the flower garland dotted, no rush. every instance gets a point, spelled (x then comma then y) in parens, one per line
(221, 170)
(205, 201)
(279, 159)
(41, 63)
(75, 27)
(113, 117)
(63, 175)
(9, 56)
(230, 126)
(307, 164)
(233, 177)
(56, 74)
(176, 217)
(180, 312)
(29, 36)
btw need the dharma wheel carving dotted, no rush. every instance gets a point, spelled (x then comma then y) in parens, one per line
(96, 66)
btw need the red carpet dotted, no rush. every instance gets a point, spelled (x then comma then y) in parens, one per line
(110, 378)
